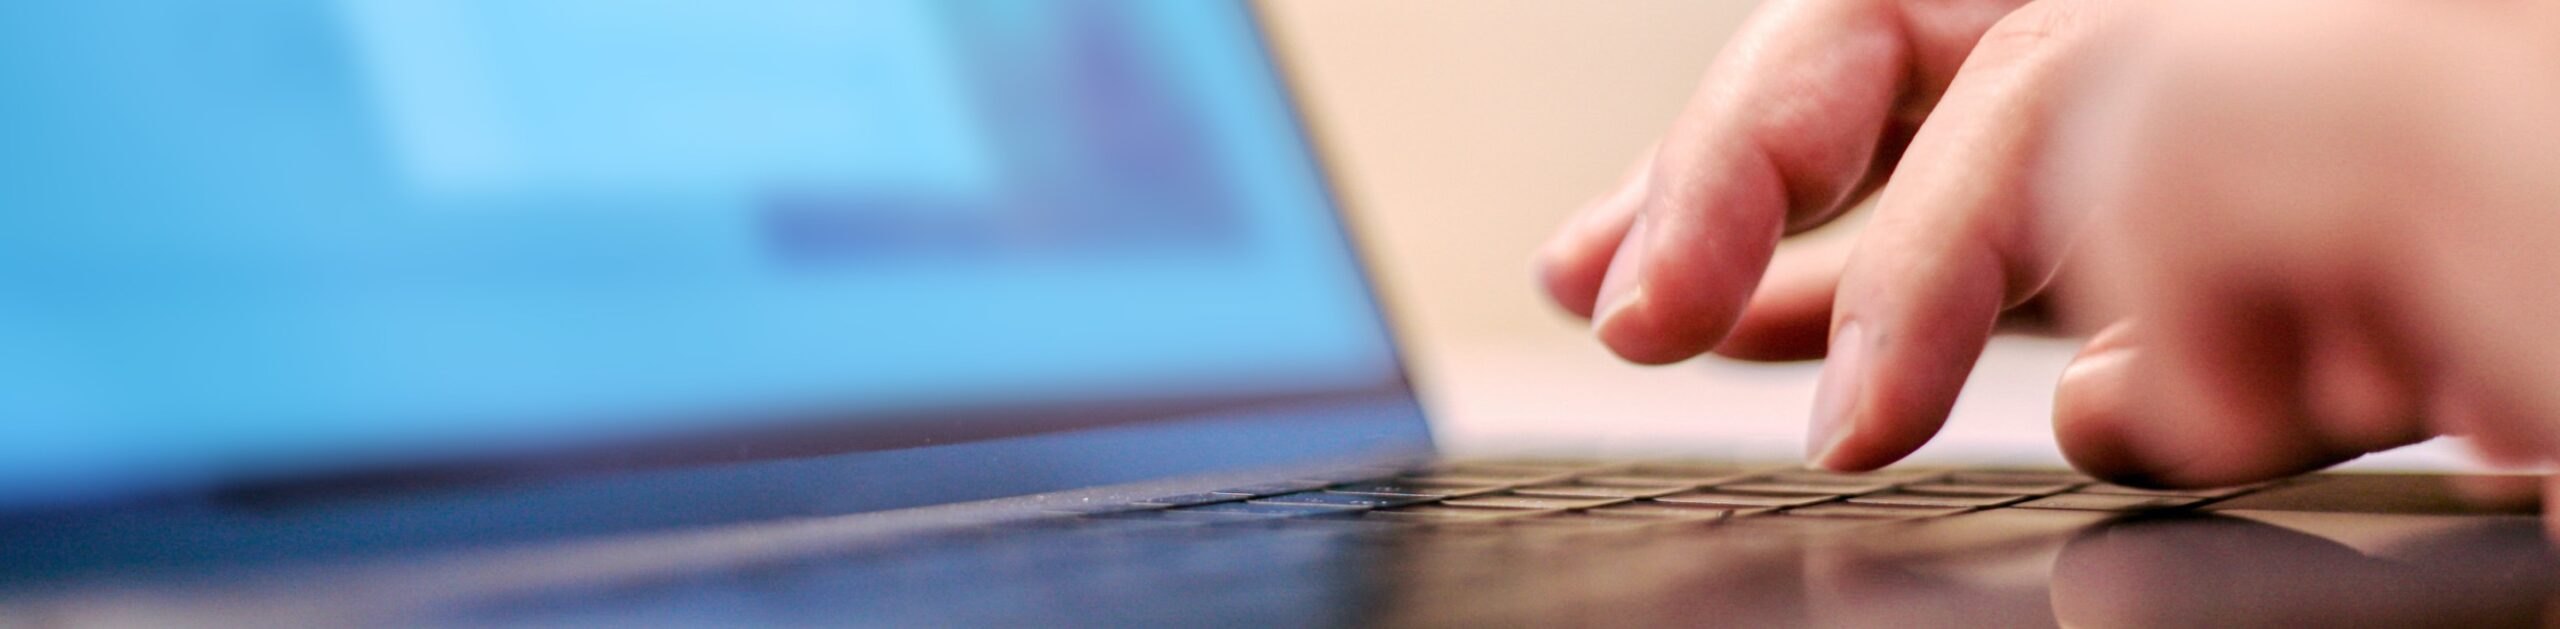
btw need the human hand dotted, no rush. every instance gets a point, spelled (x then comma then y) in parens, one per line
(1813, 106)
(2316, 241)
(2269, 305)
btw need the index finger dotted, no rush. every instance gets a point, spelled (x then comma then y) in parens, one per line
(1784, 132)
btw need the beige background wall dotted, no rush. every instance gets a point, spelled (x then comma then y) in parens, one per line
(1464, 129)
(1461, 131)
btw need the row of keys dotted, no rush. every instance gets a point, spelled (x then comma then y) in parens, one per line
(1703, 507)
(1527, 491)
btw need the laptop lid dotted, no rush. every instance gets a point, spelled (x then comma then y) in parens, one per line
(615, 265)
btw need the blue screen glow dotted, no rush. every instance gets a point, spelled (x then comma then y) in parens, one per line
(272, 235)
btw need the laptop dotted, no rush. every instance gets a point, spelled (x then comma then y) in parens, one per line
(898, 313)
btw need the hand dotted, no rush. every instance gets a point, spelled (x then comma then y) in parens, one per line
(2309, 225)
(2316, 241)
(1813, 106)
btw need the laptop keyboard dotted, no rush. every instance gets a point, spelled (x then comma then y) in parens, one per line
(1501, 543)
(1639, 495)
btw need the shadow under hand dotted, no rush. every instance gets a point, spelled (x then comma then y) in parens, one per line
(2209, 570)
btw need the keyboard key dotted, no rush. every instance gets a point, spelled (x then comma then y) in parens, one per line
(1144, 521)
(1680, 468)
(1752, 501)
(1654, 511)
(1273, 489)
(1257, 510)
(1371, 501)
(1804, 489)
(1825, 477)
(2018, 477)
(2108, 502)
(1486, 479)
(1525, 466)
(1968, 489)
(2213, 492)
(1410, 488)
(1513, 474)
(1847, 510)
(1600, 491)
(1652, 479)
(1448, 514)
(1903, 499)
(1782, 525)
(1355, 475)
(1580, 522)
(1186, 500)
(1532, 502)
(1099, 507)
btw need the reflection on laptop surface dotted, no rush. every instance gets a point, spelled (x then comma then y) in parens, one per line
(891, 312)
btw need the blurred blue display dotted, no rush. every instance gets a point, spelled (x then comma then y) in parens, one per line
(263, 236)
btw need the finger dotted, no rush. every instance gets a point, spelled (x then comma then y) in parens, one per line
(1783, 130)
(1790, 315)
(2497, 430)
(2221, 200)
(2215, 396)
(2362, 393)
(1789, 318)
(2220, 377)
(1953, 243)
(2099, 411)
(2092, 399)
(2048, 312)
(1574, 259)
(2212, 389)
(2108, 425)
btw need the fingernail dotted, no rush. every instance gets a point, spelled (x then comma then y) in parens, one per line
(1624, 281)
(1837, 393)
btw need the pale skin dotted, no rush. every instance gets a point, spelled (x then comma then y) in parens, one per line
(2303, 230)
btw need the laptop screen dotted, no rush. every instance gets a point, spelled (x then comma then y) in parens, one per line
(264, 239)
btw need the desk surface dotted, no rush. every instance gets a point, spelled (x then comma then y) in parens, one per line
(1573, 398)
